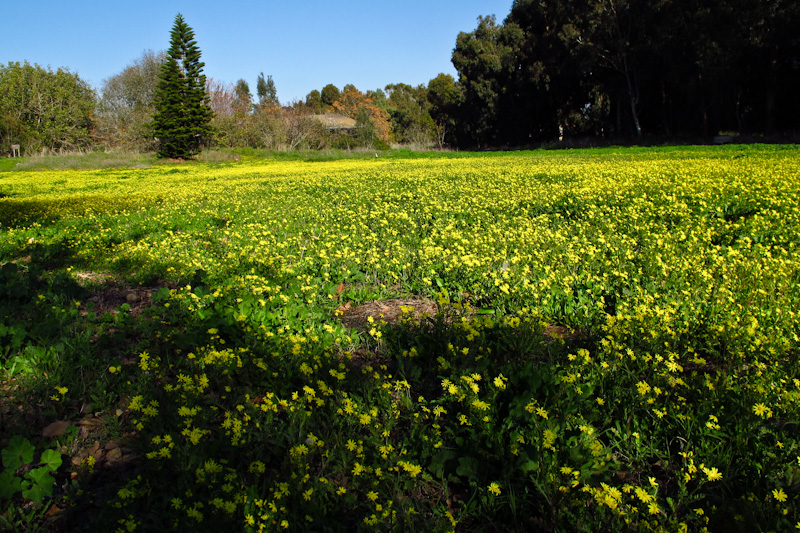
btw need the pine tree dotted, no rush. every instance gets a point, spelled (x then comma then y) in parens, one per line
(182, 122)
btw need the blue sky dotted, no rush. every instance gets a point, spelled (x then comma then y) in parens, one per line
(304, 45)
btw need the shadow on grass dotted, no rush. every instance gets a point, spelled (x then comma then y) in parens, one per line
(198, 376)
(59, 335)
(16, 212)
(56, 333)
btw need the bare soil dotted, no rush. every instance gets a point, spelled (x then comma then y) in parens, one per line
(389, 311)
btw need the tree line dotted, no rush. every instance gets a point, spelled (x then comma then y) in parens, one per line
(163, 102)
(43, 110)
(613, 70)
(630, 69)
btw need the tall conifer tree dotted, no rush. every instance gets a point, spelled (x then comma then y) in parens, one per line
(182, 122)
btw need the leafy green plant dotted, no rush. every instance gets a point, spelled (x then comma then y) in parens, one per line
(19, 475)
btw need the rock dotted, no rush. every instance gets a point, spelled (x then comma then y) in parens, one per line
(114, 456)
(56, 428)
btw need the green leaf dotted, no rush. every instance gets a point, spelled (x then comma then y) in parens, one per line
(438, 462)
(51, 459)
(9, 484)
(42, 486)
(18, 452)
(467, 468)
(41, 476)
(36, 493)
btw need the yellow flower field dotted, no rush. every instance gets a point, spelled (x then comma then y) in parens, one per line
(616, 345)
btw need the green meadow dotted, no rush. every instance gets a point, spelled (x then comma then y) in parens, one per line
(585, 340)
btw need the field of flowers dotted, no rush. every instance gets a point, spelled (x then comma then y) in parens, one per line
(615, 348)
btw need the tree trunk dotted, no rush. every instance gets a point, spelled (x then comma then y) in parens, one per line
(770, 101)
(633, 98)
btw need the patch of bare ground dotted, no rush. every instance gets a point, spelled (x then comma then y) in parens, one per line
(389, 311)
(20, 260)
(95, 439)
(97, 452)
(94, 445)
(418, 308)
(97, 456)
(563, 333)
(108, 294)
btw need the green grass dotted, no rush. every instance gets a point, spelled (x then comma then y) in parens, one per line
(86, 161)
(8, 163)
(101, 160)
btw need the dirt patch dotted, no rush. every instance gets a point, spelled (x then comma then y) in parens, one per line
(389, 311)
(562, 332)
(20, 260)
(393, 310)
(108, 300)
(93, 440)
(85, 278)
(109, 294)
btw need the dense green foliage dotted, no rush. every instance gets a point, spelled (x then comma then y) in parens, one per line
(616, 346)
(42, 109)
(329, 94)
(627, 68)
(182, 120)
(409, 110)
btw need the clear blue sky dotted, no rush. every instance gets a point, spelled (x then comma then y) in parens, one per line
(303, 44)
